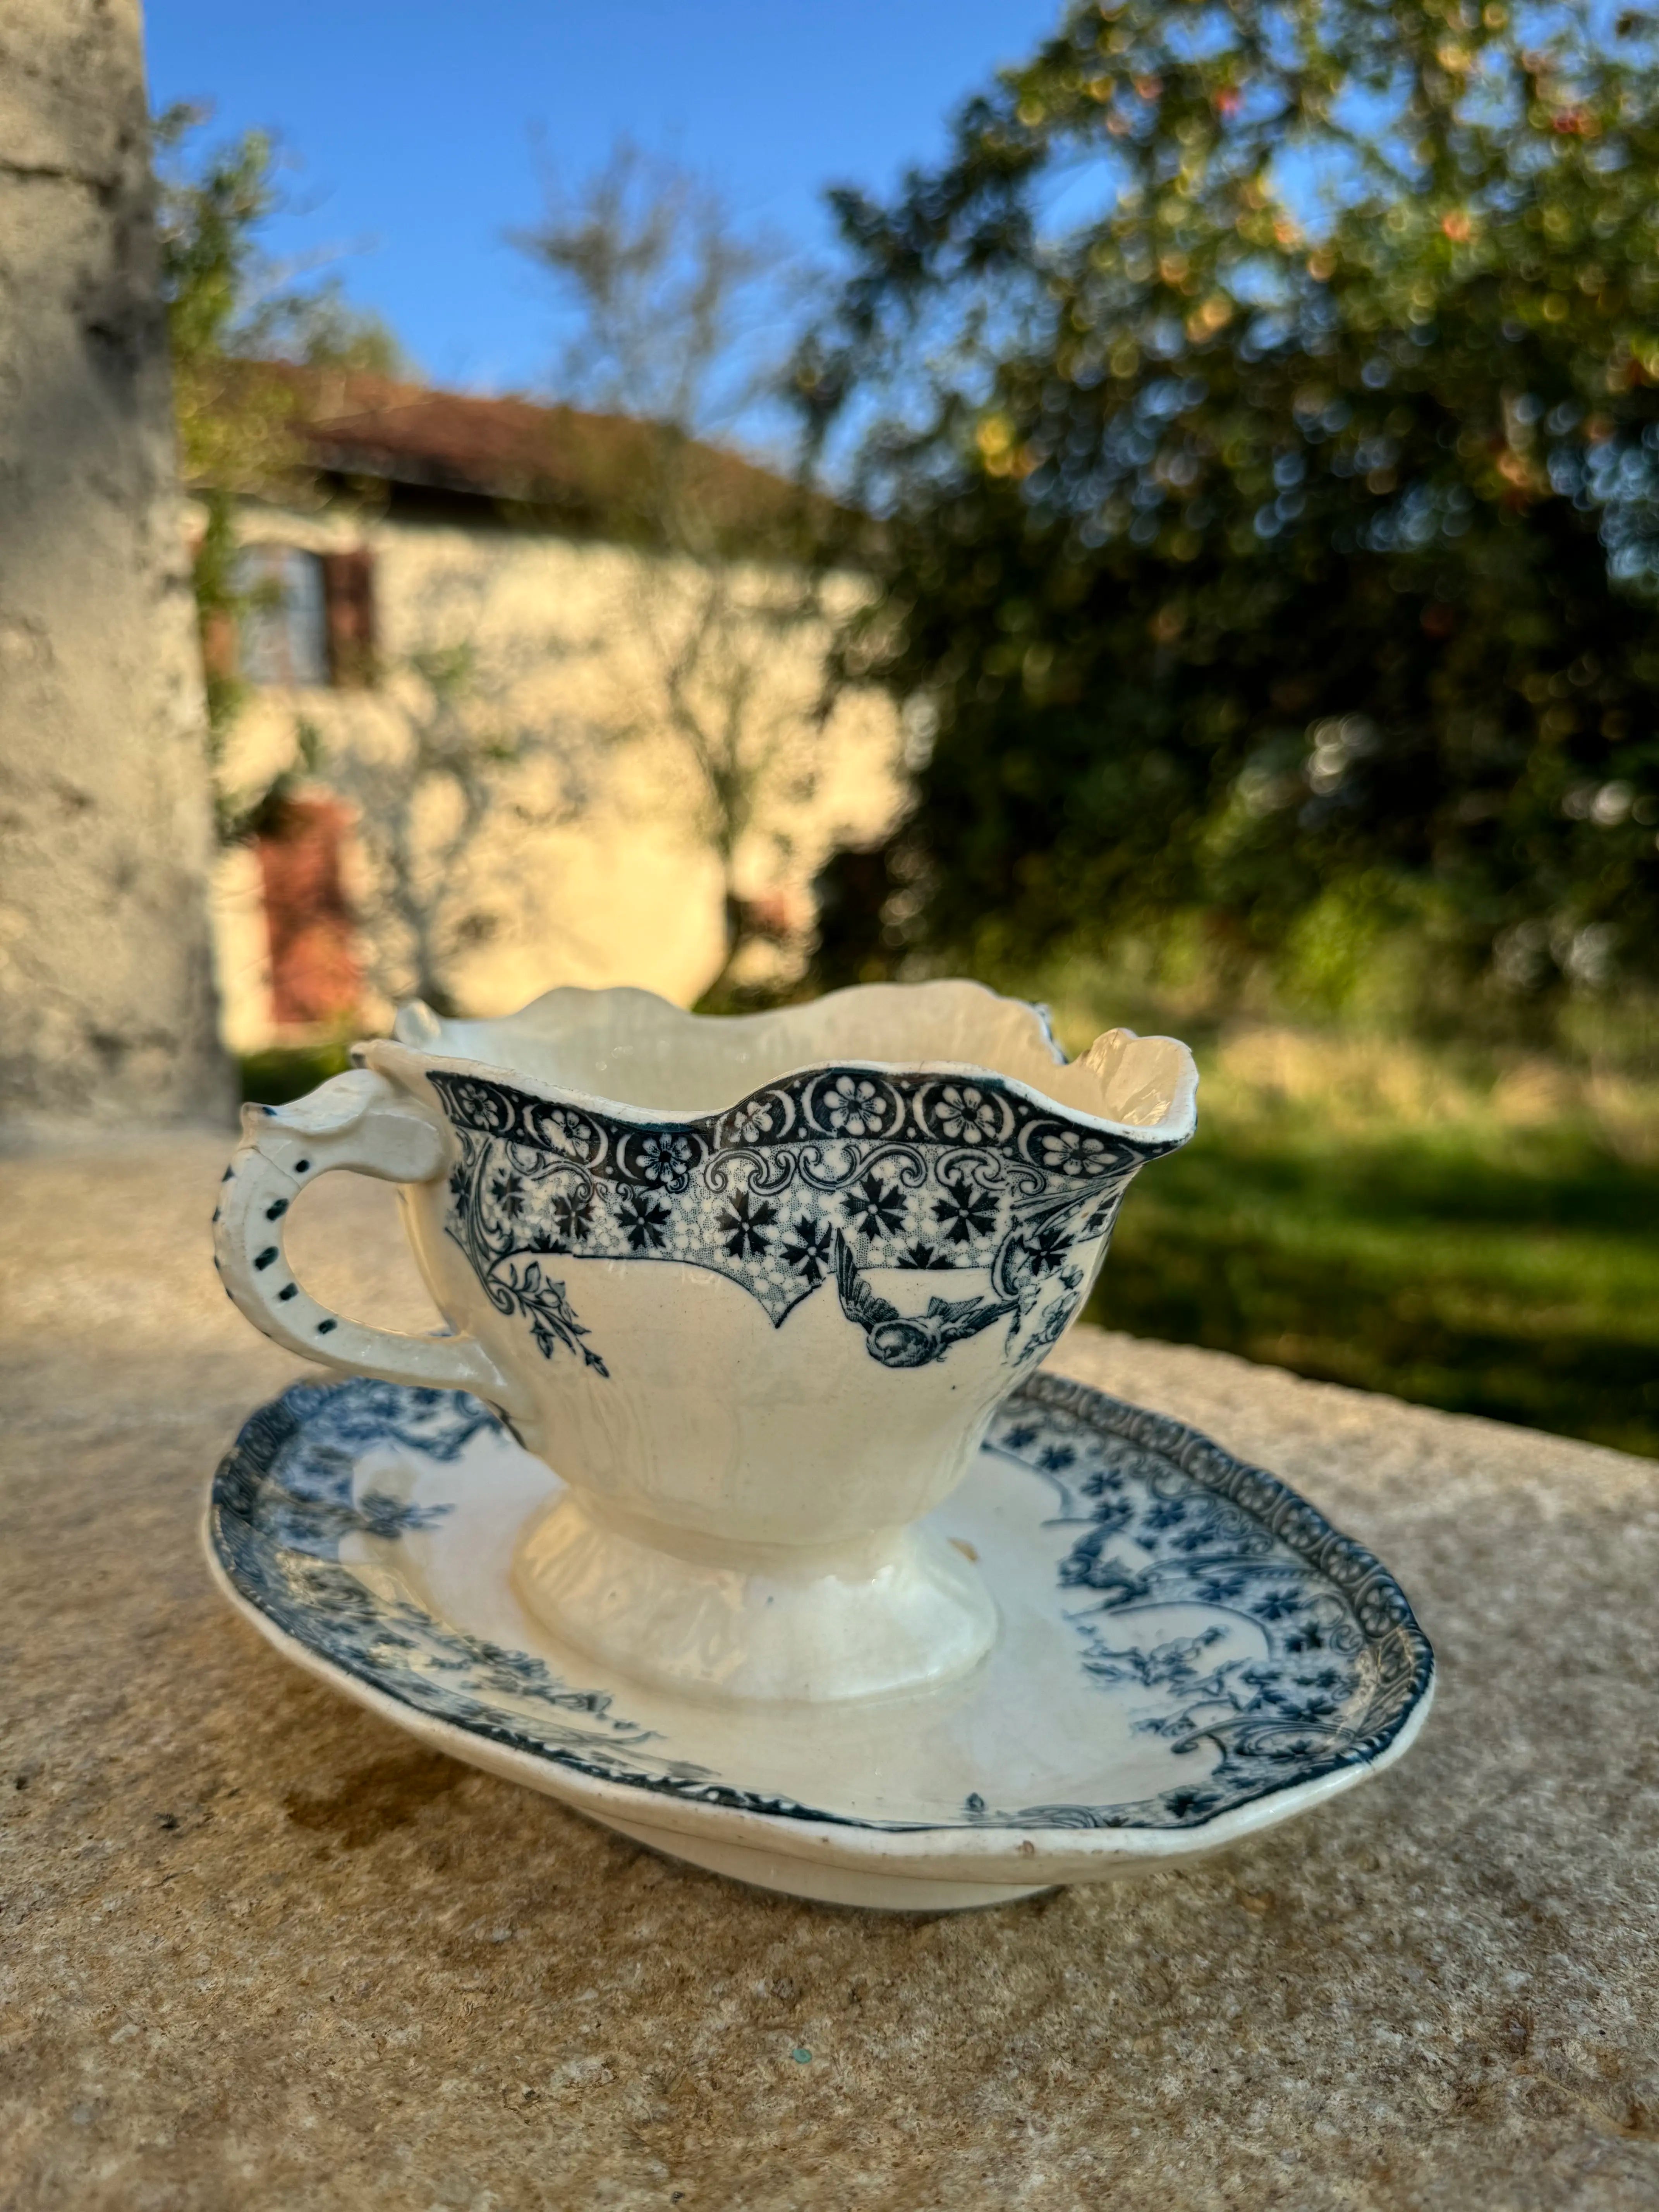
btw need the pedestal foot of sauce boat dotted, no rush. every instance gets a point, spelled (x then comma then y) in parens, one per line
(900, 1611)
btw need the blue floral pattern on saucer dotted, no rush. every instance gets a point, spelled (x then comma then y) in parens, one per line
(1232, 1622)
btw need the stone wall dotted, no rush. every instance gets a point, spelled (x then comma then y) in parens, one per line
(105, 980)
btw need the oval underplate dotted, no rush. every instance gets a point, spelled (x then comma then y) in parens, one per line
(1188, 1653)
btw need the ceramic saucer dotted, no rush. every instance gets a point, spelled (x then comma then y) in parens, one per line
(1188, 1653)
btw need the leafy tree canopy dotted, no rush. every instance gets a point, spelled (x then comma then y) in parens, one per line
(229, 304)
(230, 308)
(1280, 528)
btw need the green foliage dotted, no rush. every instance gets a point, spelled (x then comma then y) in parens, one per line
(229, 310)
(265, 812)
(208, 216)
(228, 303)
(218, 603)
(1277, 541)
(1469, 1226)
(288, 1071)
(1514, 1274)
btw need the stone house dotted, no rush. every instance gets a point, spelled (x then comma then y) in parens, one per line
(493, 735)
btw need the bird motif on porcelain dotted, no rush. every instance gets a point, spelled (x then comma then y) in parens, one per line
(899, 1339)
(831, 1173)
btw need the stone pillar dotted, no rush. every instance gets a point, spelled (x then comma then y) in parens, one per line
(106, 1001)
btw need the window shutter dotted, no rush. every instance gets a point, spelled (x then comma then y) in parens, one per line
(349, 599)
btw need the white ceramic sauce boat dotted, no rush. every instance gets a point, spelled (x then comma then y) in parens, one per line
(751, 1286)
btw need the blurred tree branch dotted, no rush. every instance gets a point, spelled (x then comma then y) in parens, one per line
(672, 315)
(230, 308)
(449, 768)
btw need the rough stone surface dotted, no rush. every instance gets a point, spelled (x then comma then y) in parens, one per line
(106, 990)
(263, 1951)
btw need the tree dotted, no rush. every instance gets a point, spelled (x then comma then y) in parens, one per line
(230, 309)
(671, 314)
(452, 755)
(447, 781)
(1276, 543)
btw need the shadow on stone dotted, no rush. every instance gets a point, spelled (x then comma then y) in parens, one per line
(386, 1794)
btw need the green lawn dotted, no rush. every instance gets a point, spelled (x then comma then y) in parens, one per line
(288, 1071)
(1362, 1211)
(1513, 1273)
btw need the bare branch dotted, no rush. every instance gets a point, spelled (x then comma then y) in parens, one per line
(678, 318)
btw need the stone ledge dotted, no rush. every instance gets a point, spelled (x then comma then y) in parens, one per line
(265, 1952)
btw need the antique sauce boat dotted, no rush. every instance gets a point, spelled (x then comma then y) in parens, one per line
(753, 1287)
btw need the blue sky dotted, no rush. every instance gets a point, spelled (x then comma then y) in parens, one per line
(415, 126)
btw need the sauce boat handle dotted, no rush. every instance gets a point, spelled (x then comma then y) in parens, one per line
(362, 1122)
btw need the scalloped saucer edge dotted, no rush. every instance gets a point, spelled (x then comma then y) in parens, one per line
(1189, 1653)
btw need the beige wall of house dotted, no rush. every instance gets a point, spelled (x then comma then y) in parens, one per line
(594, 864)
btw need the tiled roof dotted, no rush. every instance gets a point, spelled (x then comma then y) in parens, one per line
(591, 470)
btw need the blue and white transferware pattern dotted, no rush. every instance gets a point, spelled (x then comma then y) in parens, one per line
(815, 1180)
(763, 1281)
(1189, 1650)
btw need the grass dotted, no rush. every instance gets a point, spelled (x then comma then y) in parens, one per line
(1473, 1234)
(287, 1071)
(1359, 1212)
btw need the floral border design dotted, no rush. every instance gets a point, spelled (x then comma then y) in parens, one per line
(925, 1173)
(1167, 1517)
(1162, 1516)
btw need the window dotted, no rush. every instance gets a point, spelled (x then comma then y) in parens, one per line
(282, 629)
(306, 619)
(349, 597)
